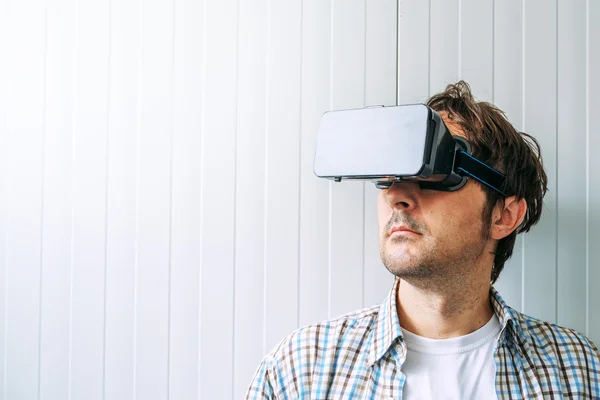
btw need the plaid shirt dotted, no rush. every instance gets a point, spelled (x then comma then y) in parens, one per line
(360, 356)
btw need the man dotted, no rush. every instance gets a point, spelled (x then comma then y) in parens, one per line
(443, 331)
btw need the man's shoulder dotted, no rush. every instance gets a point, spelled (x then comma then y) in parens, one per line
(544, 334)
(552, 343)
(314, 352)
(345, 332)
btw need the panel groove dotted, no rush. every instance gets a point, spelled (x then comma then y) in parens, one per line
(429, 50)
(363, 219)
(556, 121)
(330, 186)
(137, 199)
(300, 143)
(106, 195)
(524, 127)
(72, 195)
(593, 68)
(460, 40)
(330, 233)
(362, 300)
(398, 52)
(170, 235)
(587, 167)
(492, 98)
(41, 233)
(5, 332)
(202, 157)
(4, 192)
(235, 179)
(266, 214)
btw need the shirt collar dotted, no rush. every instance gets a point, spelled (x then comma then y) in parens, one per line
(508, 317)
(387, 328)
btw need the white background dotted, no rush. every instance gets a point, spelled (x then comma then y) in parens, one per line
(160, 224)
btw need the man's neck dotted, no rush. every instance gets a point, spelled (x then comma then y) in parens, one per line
(442, 314)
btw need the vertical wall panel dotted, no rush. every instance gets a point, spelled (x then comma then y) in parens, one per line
(90, 132)
(476, 60)
(124, 129)
(122, 197)
(571, 192)
(282, 178)
(4, 176)
(539, 119)
(186, 200)
(55, 336)
(347, 198)
(381, 57)
(218, 186)
(314, 193)
(413, 51)
(380, 89)
(508, 96)
(154, 201)
(25, 133)
(250, 194)
(593, 171)
(445, 46)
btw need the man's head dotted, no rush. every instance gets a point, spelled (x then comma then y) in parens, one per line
(475, 226)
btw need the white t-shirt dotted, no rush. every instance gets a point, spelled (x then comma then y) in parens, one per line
(456, 368)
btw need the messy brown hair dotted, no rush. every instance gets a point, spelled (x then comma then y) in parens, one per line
(497, 143)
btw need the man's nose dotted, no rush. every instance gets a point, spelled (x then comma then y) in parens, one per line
(403, 195)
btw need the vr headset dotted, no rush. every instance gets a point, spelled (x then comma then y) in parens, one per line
(407, 143)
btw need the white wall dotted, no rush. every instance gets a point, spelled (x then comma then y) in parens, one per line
(160, 224)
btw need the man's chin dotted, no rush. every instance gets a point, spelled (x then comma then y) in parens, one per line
(400, 264)
(402, 271)
(404, 264)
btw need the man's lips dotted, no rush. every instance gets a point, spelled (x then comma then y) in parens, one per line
(402, 230)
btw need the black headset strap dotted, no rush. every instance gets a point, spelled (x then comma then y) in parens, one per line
(466, 164)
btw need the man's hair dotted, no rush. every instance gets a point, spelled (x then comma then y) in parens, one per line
(497, 143)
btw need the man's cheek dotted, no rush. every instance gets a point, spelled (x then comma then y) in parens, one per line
(383, 217)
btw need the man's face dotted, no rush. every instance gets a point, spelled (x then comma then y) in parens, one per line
(427, 233)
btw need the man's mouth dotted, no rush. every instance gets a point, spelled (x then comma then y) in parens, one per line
(401, 230)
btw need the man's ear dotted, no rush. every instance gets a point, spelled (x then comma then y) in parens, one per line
(507, 217)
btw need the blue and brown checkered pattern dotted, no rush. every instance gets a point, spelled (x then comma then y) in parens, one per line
(360, 356)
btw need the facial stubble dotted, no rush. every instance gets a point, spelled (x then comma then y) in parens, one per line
(433, 261)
